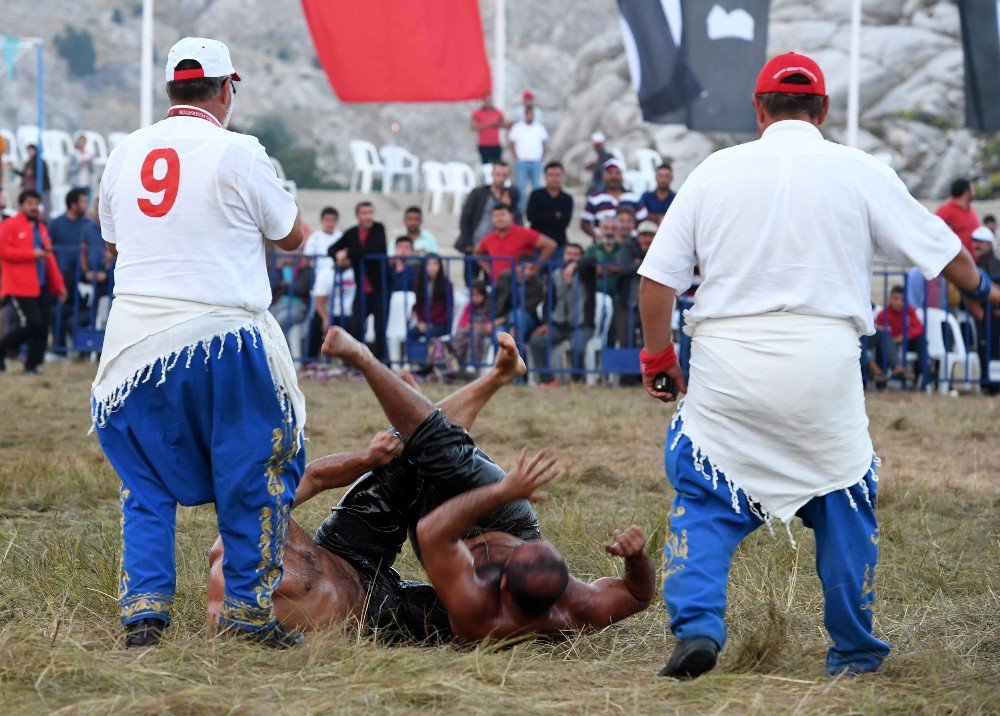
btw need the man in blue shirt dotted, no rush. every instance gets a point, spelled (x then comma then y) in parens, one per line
(657, 202)
(66, 232)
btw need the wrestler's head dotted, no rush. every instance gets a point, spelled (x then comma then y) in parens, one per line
(535, 576)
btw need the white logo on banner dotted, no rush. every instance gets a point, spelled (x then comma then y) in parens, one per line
(737, 24)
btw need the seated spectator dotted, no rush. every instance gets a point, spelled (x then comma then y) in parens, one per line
(658, 201)
(986, 258)
(606, 202)
(291, 284)
(345, 288)
(97, 268)
(633, 251)
(518, 295)
(477, 212)
(422, 240)
(317, 247)
(571, 317)
(919, 289)
(434, 300)
(550, 208)
(625, 214)
(508, 241)
(605, 256)
(897, 319)
(990, 222)
(402, 269)
(475, 328)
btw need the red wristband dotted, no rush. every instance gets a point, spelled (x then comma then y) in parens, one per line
(659, 363)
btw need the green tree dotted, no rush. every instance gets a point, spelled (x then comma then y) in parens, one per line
(77, 48)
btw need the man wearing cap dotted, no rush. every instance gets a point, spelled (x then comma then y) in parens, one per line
(195, 399)
(605, 202)
(520, 112)
(596, 165)
(774, 426)
(987, 336)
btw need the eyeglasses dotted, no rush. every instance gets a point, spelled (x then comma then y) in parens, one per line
(234, 84)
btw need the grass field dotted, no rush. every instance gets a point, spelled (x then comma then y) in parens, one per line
(939, 581)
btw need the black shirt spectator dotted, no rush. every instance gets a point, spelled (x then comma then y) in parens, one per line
(550, 208)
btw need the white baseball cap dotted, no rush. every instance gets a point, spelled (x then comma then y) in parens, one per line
(615, 162)
(212, 55)
(597, 137)
(983, 234)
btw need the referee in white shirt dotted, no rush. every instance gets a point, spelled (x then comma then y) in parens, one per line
(196, 398)
(773, 425)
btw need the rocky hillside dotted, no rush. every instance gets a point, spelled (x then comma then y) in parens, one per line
(573, 60)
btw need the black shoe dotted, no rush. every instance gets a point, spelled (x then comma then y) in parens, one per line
(273, 637)
(31, 371)
(3, 362)
(691, 658)
(145, 632)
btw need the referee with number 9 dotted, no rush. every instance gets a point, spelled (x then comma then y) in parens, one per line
(196, 398)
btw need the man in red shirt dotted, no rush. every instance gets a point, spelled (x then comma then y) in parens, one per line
(958, 213)
(30, 276)
(509, 241)
(487, 121)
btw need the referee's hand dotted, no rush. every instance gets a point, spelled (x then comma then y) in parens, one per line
(674, 372)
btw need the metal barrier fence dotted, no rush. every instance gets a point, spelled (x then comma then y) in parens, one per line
(575, 321)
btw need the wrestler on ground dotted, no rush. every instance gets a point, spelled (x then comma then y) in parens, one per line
(784, 229)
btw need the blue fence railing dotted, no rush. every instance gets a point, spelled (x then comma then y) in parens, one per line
(577, 320)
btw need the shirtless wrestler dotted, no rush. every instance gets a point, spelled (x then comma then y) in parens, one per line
(344, 572)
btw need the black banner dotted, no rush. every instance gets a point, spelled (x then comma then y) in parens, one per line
(695, 62)
(981, 43)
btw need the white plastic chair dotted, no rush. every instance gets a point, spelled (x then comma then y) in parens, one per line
(460, 300)
(604, 310)
(397, 324)
(647, 160)
(398, 162)
(58, 198)
(460, 180)
(366, 165)
(114, 139)
(486, 172)
(435, 185)
(954, 355)
(637, 181)
(617, 154)
(12, 157)
(290, 186)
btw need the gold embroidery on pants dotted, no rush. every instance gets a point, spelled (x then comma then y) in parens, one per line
(146, 603)
(123, 579)
(674, 548)
(868, 589)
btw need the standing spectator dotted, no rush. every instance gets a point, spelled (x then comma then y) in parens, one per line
(345, 288)
(550, 208)
(97, 268)
(596, 165)
(423, 241)
(402, 272)
(521, 111)
(625, 214)
(317, 247)
(292, 281)
(477, 212)
(897, 319)
(66, 232)
(988, 261)
(518, 294)
(81, 166)
(528, 140)
(958, 213)
(475, 329)
(606, 202)
(434, 300)
(29, 276)
(627, 323)
(29, 176)
(508, 241)
(366, 239)
(571, 316)
(658, 201)
(487, 122)
(605, 256)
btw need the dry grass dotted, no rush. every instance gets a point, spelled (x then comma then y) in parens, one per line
(939, 601)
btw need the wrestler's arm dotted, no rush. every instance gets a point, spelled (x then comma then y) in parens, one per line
(611, 599)
(341, 469)
(447, 560)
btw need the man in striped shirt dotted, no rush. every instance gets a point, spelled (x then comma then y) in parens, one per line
(604, 204)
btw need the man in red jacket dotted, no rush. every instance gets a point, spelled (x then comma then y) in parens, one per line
(29, 276)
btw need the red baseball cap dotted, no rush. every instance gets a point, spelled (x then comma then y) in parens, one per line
(528, 95)
(773, 76)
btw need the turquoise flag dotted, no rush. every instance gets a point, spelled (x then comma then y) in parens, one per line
(10, 47)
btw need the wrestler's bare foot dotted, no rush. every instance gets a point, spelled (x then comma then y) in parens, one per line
(508, 364)
(341, 344)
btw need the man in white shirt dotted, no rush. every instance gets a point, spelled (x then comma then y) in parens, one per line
(774, 425)
(528, 140)
(195, 399)
(318, 246)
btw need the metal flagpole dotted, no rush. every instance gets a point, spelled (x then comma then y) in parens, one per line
(39, 165)
(500, 54)
(854, 75)
(146, 66)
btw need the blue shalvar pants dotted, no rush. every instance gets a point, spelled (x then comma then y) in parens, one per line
(212, 432)
(705, 530)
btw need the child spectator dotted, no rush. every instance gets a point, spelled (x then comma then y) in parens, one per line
(895, 319)
(475, 329)
(434, 295)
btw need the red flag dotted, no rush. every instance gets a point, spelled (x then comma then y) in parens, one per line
(400, 50)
